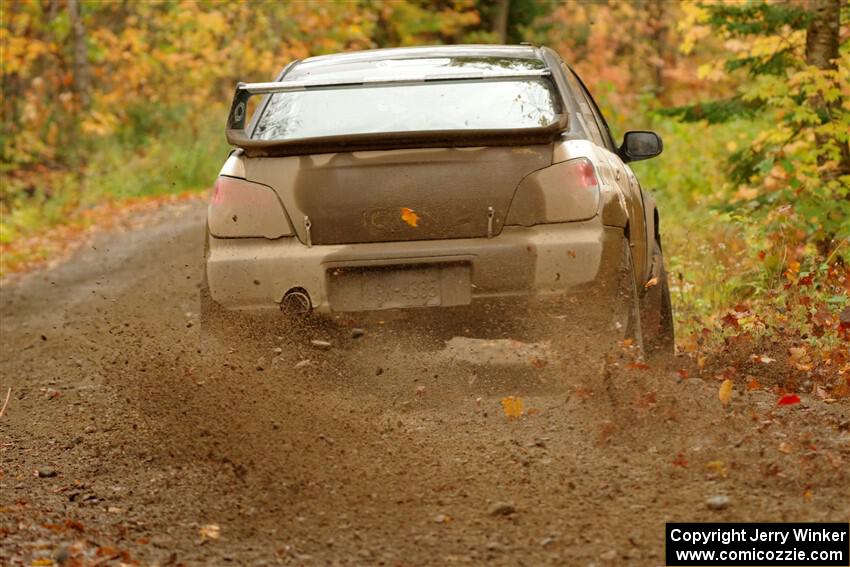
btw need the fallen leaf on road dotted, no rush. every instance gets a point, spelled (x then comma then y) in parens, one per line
(210, 531)
(512, 406)
(785, 447)
(800, 358)
(689, 344)
(718, 468)
(788, 400)
(725, 392)
(680, 460)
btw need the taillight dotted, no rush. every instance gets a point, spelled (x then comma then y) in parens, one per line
(582, 171)
(241, 209)
(216, 194)
(564, 192)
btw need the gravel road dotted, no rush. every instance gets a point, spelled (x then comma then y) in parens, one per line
(128, 439)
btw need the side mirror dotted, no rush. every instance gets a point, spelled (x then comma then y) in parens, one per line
(640, 144)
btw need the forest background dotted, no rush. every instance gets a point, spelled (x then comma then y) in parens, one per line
(110, 103)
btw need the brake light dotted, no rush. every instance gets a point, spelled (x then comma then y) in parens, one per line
(240, 208)
(582, 171)
(567, 191)
(217, 197)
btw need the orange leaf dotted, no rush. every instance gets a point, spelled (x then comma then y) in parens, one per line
(410, 217)
(718, 468)
(512, 406)
(725, 392)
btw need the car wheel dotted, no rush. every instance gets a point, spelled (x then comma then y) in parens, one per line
(658, 309)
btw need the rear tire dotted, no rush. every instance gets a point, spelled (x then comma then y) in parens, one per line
(658, 310)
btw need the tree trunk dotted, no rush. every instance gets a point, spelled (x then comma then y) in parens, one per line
(82, 82)
(500, 20)
(822, 38)
(655, 12)
(822, 34)
(822, 52)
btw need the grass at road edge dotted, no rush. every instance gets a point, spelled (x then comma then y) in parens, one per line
(125, 175)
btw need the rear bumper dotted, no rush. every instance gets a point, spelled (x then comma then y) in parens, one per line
(255, 273)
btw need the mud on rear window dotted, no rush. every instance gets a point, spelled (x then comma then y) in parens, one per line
(422, 107)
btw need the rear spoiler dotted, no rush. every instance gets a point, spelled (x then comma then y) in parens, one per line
(238, 136)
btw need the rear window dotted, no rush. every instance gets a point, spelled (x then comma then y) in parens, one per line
(423, 107)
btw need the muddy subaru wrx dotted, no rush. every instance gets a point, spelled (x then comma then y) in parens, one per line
(432, 177)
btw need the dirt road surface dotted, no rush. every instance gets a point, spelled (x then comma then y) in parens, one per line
(127, 439)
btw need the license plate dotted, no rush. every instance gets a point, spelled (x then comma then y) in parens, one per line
(366, 289)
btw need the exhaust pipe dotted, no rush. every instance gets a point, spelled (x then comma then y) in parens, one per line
(296, 302)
